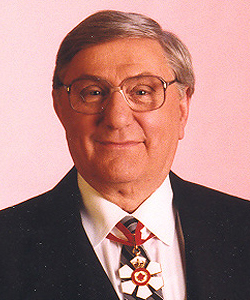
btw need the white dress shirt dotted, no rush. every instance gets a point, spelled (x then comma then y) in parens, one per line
(100, 216)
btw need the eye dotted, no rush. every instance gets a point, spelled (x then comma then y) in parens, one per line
(92, 93)
(141, 92)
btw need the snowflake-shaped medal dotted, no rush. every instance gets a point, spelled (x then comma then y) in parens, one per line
(141, 277)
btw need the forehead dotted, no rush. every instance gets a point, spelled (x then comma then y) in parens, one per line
(118, 59)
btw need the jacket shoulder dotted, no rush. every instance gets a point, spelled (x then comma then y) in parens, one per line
(198, 193)
(204, 209)
(41, 210)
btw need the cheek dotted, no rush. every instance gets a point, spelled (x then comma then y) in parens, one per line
(162, 127)
(76, 124)
(79, 129)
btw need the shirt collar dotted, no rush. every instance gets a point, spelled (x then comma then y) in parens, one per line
(99, 216)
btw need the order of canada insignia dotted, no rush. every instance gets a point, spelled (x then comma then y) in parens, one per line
(141, 276)
(139, 279)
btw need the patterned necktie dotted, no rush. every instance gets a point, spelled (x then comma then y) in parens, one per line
(137, 272)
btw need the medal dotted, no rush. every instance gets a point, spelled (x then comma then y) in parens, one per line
(141, 275)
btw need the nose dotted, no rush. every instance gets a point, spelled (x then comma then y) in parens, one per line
(117, 114)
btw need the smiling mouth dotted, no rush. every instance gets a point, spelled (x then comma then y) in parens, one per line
(125, 144)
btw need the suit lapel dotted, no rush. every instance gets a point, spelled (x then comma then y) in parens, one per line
(206, 249)
(90, 279)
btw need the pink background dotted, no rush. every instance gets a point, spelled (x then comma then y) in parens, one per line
(215, 151)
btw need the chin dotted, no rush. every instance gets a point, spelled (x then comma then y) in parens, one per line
(119, 177)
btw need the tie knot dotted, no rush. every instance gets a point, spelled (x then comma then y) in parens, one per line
(134, 232)
(130, 223)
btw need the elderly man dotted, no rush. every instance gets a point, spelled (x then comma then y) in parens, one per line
(121, 225)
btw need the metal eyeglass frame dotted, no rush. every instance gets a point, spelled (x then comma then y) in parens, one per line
(119, 89)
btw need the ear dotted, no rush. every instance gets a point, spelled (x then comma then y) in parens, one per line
(56, 95)
(184, 112)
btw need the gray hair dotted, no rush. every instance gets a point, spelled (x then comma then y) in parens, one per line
(109, 25)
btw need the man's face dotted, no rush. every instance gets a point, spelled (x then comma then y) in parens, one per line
(119, 145)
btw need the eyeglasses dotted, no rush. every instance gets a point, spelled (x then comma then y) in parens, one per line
(90, 94)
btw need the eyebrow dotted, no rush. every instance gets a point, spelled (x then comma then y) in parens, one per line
(97, 77)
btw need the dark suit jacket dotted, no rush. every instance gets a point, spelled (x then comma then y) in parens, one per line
(45, 253)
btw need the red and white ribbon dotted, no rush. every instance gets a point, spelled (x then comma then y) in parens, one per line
(132, 239)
